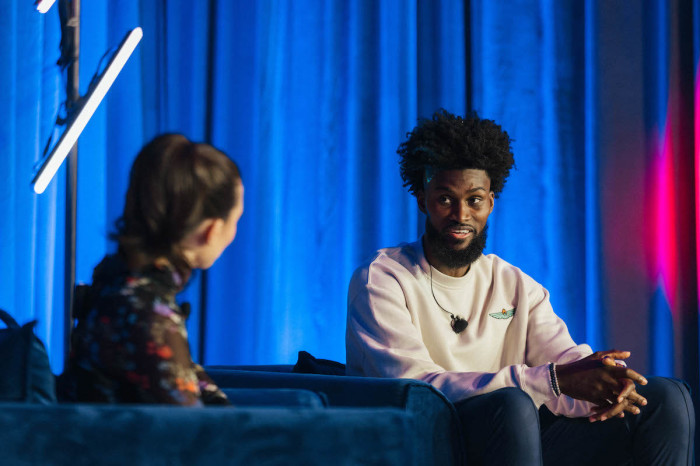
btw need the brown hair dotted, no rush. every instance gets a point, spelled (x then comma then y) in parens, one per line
(174, 185)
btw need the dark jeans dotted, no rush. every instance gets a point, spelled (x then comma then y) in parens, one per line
(505, 428)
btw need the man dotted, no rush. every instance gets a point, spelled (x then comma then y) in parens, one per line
(484, 333)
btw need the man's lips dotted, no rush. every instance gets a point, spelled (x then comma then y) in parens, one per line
(459, 232)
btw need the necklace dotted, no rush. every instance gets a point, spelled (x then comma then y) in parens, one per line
(458, 323)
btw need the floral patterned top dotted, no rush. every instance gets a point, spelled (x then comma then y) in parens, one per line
(130, 346)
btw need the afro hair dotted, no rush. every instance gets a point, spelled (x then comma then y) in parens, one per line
(449, 142)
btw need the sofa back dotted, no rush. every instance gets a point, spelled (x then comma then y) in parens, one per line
(84, 434)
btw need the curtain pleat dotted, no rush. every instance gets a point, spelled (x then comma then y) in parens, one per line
(31, 234)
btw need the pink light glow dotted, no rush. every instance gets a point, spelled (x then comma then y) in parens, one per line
(697, 176)
(665, 226)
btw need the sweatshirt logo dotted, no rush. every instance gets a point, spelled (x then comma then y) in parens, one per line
(503, 314)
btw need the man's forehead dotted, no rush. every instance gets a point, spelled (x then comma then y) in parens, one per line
(474, 177)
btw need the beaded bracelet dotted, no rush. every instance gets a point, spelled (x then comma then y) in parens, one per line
(553, 379)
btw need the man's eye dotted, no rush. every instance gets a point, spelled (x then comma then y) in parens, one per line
(474, 201)
(444, 200)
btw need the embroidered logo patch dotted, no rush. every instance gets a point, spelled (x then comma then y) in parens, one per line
(503, 314)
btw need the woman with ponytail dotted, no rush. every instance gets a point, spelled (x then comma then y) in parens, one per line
(130, 345)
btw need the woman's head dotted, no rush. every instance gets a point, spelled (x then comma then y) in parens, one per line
(183, 203)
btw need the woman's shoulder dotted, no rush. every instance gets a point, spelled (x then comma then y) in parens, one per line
(114, 281)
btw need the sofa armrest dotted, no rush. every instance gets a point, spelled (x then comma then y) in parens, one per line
(76, 434)
(438, 435)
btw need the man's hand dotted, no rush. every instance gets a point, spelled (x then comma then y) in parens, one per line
(600, 380)
(628, 400)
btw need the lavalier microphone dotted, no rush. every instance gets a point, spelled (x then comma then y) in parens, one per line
(458, 324)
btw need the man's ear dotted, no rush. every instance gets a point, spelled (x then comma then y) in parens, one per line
(420, 198)
(492, 198)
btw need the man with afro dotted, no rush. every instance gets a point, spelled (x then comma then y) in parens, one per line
(484, 333)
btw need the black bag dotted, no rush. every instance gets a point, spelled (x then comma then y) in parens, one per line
(307, 364)
(25, 373)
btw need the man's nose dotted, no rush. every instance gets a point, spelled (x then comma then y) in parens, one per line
(461, 212)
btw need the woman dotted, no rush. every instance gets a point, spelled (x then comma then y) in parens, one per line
(130, 346)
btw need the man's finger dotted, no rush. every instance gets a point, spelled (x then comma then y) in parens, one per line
(615, 354)
(630, 408)
(606, 414)
(626, 391)
(607, 411)
(608, 361)
(627, 373)
(637, 399)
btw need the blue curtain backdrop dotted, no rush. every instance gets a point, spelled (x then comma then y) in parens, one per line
(312, 99)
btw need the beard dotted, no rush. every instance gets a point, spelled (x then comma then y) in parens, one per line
(444, 252)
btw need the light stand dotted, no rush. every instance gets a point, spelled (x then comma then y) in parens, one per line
(69, 11)
(79, 111)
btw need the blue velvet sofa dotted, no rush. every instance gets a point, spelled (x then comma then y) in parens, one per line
(435, 435)
(267, 427)
(277, 418)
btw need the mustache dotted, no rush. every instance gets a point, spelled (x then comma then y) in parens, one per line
(460, 225)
